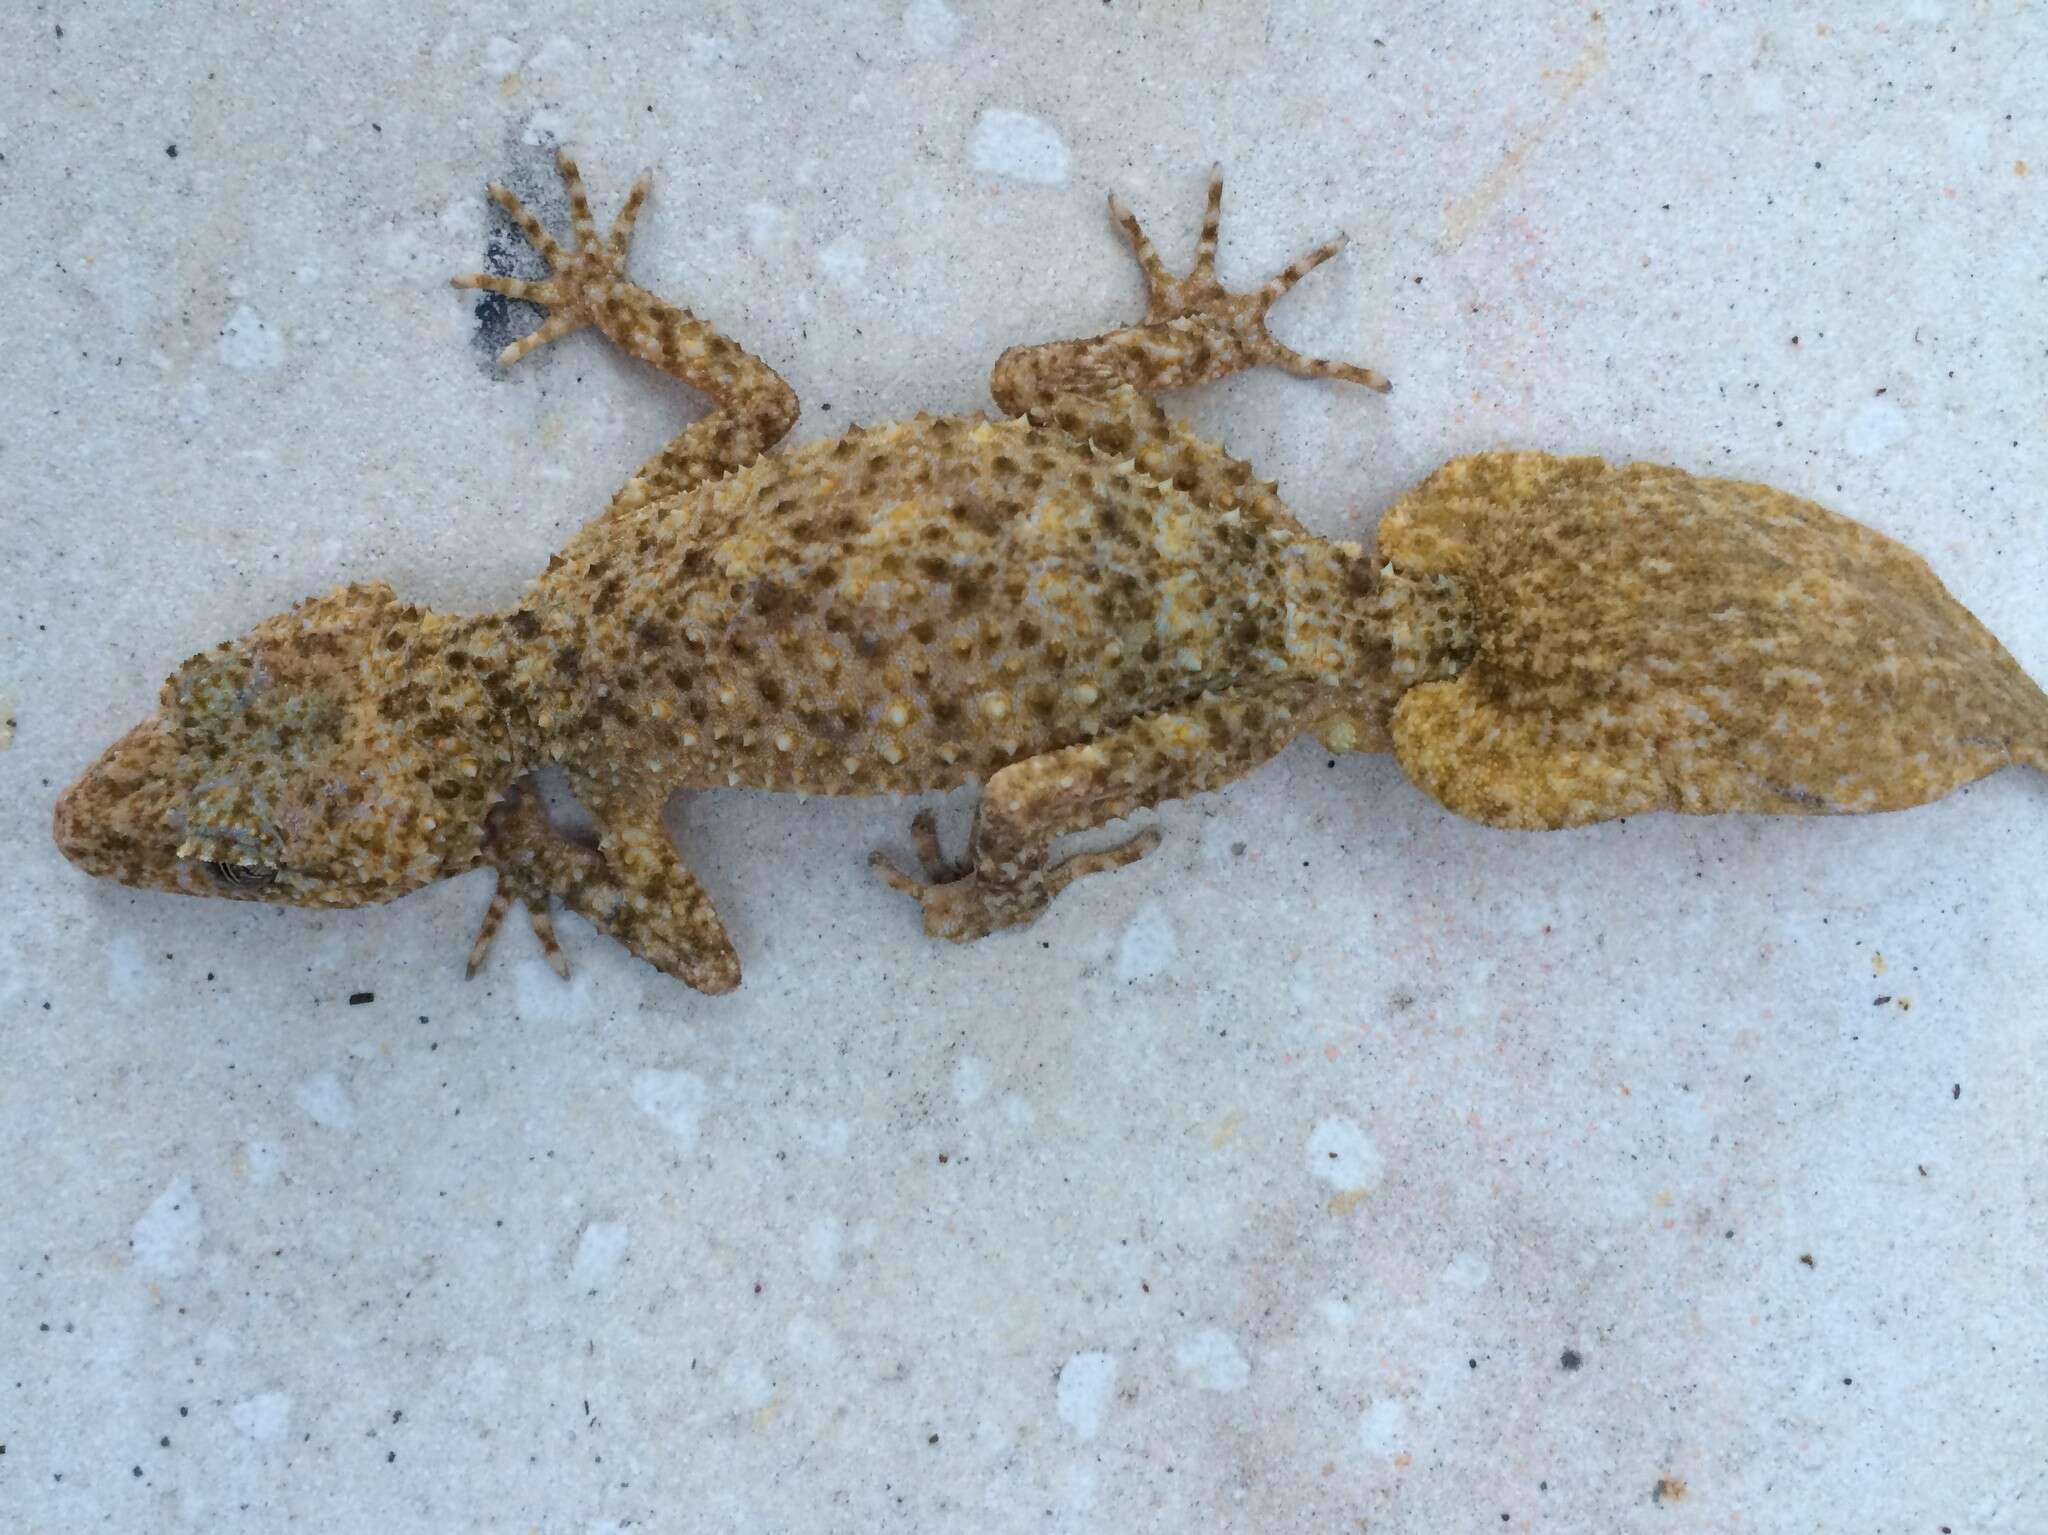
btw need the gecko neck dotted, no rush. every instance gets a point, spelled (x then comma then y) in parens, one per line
(461, 685)
(525, 670)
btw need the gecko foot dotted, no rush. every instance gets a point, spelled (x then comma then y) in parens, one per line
(581, 277)
(1237, 320)
(960, 905)
(518, 840)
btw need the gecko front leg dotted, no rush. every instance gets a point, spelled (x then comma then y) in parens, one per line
(588, 286)
(632, 886)
(1010, 876)
(1195, 330)
(534, 861)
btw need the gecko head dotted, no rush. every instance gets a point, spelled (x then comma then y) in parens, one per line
(310, 763)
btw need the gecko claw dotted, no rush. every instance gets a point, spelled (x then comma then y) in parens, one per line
(1238, 320)
(579, 275)
(961, 905)
(533, 895)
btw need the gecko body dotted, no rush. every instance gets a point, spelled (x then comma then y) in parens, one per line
(1078, 604)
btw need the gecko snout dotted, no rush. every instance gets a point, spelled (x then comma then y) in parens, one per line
(111, 822)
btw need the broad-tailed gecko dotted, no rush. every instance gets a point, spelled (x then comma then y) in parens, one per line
(1078, 604)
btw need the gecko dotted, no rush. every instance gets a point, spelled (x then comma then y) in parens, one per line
(1077, 604)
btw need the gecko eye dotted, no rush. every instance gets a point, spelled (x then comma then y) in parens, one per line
(242, 876)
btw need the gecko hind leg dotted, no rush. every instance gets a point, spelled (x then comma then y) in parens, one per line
(1195, 330)
(1011, 876)
(961, 907)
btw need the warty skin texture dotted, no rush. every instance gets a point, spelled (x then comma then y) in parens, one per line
(1078, 604)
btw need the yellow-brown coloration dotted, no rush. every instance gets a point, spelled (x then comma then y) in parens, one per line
(1083, 606)
(1651, 640)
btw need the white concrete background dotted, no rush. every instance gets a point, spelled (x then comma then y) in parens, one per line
(1278, 1183)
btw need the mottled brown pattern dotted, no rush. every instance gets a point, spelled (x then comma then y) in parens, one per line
(1651, 640)
(1081, 605)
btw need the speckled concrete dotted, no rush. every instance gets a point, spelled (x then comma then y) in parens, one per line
(1342, 1166)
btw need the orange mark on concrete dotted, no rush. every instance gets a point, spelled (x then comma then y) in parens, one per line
(1669, 1489)
(1227, 1131)
(1466, 213)
(1349, 1200)
(2019, 167)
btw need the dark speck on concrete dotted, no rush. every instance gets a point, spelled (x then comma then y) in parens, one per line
(358, 998)
(1570, 1359)
(171, 150)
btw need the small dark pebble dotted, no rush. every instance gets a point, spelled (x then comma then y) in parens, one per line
(1807, 1259)
(1880, 1001)
(171, 150)
(135, 1471)
(1955, 1092)
(164, 1443)
(1570, 1359)
(358, 998)
(933, 1440)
